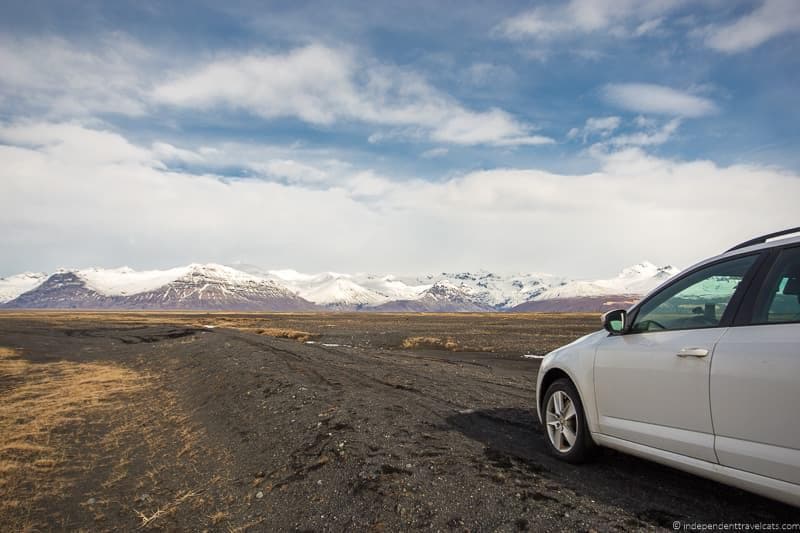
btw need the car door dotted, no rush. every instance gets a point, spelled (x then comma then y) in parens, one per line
(651, 383)
(755, 377)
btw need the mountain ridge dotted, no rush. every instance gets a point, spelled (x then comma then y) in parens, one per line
(218, 287)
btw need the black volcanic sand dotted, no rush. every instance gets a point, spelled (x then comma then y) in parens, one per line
(232, 430)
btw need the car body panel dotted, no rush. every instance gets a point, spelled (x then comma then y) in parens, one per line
(755, 395)
(577, 361)
(646, 393)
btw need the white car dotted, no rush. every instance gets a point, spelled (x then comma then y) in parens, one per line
(702, 375)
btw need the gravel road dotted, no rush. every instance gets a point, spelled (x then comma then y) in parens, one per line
(231, 430)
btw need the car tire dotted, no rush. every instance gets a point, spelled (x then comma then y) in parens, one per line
(570, 425)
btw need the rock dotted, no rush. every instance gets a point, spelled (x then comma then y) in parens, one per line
(259, 495)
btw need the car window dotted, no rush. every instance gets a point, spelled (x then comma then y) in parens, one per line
(697, 301)
(779, 297)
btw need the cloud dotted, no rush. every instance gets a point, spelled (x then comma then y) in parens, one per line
(171, 154)
(658, 99)
(323, 86)
(435, 152)
(68, 207)
(489, 74)
(602, 126)
(652, 136)
(292, 171)
(771, 19)
(56, 77)
(659, 136)
(565, 20)
(648, 27)
(76, 143)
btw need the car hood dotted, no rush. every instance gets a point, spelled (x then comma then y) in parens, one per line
(584, 342)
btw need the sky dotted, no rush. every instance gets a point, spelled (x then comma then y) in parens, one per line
(572, 137)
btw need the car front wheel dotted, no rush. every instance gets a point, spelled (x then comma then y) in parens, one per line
(565, 423)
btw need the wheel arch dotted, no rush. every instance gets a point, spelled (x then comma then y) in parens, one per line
(551, 376)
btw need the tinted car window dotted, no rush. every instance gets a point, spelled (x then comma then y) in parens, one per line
(779, 297)
(696, 301)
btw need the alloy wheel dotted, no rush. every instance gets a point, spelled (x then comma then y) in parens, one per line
(562, 421)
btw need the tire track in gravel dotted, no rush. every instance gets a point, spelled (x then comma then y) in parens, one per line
(308, 437)
(468, 397)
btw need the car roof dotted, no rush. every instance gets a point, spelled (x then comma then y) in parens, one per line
(774, 243)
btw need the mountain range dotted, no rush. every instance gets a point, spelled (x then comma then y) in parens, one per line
(250, 288)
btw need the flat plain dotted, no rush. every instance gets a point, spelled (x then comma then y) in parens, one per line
(310, 422)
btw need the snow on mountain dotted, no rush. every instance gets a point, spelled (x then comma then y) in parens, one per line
(13, 286)
(124, 281)
(246, 287)
(62, 290)
(212, 287)
(636, 280)
(442, 297)
(391, 287)
(498, 291)
(219, 287)
(343, 291)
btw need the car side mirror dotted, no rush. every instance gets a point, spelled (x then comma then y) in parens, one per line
(614, 321)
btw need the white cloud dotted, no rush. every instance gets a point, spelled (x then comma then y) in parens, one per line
(644, 122)
(648, 26)
(489, 74)
(74, 142)
(602, 126)
(293, 171)
(658, 99)
(123, 207)
(323, 86)
(435, 152)
(59, 78)
(651, 136)
(171, 154)
(771, 19)
(564, 20)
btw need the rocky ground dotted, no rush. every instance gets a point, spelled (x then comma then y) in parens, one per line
(310, 423)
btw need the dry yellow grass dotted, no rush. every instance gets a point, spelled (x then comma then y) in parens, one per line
(46, 442)
(301, 336)
(38, 400)
(430, 342)
(218, 517)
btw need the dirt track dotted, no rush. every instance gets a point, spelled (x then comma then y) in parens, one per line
(228, 430)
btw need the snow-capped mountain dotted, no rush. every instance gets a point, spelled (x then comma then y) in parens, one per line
(497, 291)
(442, 297)
(206, 287)
(217, 287)
(345, 291)
(601, 295)
(636, 280)
(13, 286)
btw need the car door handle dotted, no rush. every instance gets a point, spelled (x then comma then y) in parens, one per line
(692, 352)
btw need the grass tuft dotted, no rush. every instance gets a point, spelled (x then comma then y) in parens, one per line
(301, 336)
(436, 343)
